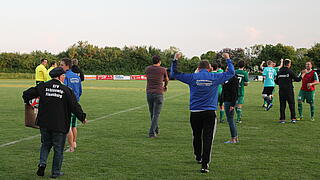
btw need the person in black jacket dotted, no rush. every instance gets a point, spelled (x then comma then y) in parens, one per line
(56, 104)
(230, 96)
(284, 79)
(75, 68)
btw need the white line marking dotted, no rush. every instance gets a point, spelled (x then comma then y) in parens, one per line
(103, 117)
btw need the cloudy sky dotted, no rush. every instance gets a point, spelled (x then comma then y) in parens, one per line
(194, 26)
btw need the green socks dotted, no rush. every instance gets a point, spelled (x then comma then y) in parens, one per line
(312, 110)
(239, 113)
(300, 109)
(221, 115)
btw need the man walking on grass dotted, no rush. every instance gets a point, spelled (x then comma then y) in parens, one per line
(57, 102)
(73, 81)
(243, 78)
(203, 104)
(157, 82)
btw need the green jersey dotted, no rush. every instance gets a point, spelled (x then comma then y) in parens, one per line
(220, 86)
(243, 77)
(277, 69)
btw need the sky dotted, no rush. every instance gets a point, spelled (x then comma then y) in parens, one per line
(193, 26)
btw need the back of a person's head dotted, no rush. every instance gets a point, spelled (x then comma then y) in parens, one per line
(215, 66)
(156, 59)
(241, 64)
(67, 61)
(52, 63)
(269, 62)
(286, 62)
(75, 62)
(204, 64)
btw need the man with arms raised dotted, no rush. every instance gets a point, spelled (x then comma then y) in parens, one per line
(269, 74)
(203, 104)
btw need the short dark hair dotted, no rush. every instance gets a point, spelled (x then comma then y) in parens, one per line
(43, 59)
(156, 59)
(52, 63)
(204, 64)
(286, 62)
(241, 64)
(269, 62)
(215, 66)
(67, 61)
(75, 62)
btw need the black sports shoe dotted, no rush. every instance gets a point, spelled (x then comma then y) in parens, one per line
(204, 168)
(56, 175)
(41, 169)
(199, 159)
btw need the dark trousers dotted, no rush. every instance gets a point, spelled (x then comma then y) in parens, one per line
(287, 95)
(230, 114)
(155, 102)
(203, 128)
(56, 140)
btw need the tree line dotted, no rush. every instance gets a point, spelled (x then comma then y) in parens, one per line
(134, 60)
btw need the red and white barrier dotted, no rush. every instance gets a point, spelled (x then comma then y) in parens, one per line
(115, 77)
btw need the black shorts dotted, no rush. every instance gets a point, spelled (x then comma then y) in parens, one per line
(268, 90)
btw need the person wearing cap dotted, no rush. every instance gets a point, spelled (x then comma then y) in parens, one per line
(56, 104)
(41, 71)
(73, 81)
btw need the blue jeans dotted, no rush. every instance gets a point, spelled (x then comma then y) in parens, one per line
(155, 102)
(56, 139)
(230, 114)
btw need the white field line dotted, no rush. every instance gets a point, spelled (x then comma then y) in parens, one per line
(96, 119)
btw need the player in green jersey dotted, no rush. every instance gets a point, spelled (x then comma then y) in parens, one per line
(243, 77)
(307, 91)
(216, 68)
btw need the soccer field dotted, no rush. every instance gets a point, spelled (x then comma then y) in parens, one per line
(114, 144)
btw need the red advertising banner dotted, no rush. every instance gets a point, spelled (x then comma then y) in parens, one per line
(104, 77)
(138, 77)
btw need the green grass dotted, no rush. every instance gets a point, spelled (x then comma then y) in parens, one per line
(16, 75)
(116, 147)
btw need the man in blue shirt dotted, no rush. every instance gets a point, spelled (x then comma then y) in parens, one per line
(269, 74)
(73, 81)
(203, 104)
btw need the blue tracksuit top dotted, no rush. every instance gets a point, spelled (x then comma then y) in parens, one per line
(203, 85)
(73, 81)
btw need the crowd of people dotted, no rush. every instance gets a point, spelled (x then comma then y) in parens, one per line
(211, 88)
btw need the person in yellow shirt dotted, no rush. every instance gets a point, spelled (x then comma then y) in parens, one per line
(53, 65)
(41, 71)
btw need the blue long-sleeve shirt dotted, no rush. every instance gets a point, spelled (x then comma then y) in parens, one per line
(73, 81)
(203, 85)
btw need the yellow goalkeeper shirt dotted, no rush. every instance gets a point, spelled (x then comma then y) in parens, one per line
(41, 73)
(48, 76)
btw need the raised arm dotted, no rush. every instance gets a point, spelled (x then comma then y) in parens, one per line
(222, 77)
(185, 78)
(261, 65)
